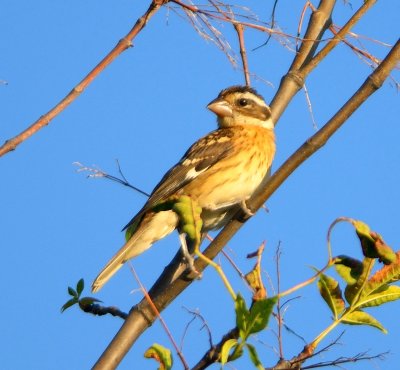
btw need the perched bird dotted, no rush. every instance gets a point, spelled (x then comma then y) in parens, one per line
(220, 172)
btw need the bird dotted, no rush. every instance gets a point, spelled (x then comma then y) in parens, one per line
(220, 172)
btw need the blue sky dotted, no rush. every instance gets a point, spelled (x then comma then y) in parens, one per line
(145, 110)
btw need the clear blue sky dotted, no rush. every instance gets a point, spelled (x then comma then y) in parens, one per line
(145, 110)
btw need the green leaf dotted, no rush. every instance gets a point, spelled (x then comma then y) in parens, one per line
(330, 291)
(385, 253)
(373, 245)
(384, 294)
(189, 213)
(367, 242)
(161, 354)
(260, 313)
(237, 352)
(362, 318)
(80, 286)
(226, 349)
(353, 291)
(242, 316)
(72, 292)
(68, 304)
(348, 268)
(254, 357)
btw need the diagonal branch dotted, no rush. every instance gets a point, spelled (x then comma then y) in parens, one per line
(371, 84)
(122, 45)
(173, 280)
(304, 62)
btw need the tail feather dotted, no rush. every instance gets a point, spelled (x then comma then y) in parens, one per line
(153, 227)
(115, 264)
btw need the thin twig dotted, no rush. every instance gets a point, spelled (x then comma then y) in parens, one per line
(231, 261)
(338, 37)
(240, 33)
(347, 360)
(96, 173)
(157, 313)
(122, 45)
(198, 315)
(300, 25)
(212, 355)
(272, 26)
(278, 303)
(309, 106)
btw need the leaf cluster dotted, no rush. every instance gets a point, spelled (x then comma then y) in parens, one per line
(248, 321)
(363, 288)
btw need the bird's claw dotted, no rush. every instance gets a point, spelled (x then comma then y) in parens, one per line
(246, 209)
(189, 258)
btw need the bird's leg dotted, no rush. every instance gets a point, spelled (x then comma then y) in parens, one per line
(246, 209)
(186, 254)
(190, 229)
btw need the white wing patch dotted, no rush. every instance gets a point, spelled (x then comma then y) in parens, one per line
(193, 173)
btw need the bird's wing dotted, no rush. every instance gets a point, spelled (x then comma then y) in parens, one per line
(201, 156)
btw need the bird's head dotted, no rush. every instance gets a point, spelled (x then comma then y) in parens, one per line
(241, 105)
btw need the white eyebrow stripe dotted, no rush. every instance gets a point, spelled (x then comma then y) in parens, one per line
(248, 95)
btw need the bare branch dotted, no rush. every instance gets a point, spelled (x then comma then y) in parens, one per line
(292, 82)
(197, 315)
(347, 360)
(96, 173)
(172, 281)
(240, 32)
(212, 355)
(158, 315)
(122, 45)
(99, 310)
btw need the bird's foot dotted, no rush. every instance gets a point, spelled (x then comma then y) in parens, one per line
(191, 269)
(246, 209)
(189, 258)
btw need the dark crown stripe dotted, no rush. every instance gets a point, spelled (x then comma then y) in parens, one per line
(239, 89)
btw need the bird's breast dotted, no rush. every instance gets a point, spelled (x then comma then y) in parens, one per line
(235, 178)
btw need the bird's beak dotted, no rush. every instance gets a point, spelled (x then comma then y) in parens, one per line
(221, 108)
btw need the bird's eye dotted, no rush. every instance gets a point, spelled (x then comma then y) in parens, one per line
(243, 102)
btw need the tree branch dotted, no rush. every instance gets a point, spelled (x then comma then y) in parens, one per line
(172, 281)
(240, 32)
(293, 81)
(121, 46)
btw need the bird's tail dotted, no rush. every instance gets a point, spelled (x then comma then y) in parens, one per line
(153, 227)
(116, 263)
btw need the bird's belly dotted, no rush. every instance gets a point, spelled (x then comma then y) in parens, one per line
(229, 189)
(221, 202)
(215, 219)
